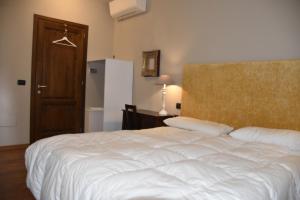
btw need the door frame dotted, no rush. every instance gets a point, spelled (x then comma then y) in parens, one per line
(33, 108)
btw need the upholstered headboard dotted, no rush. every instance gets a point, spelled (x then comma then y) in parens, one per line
(265, 94)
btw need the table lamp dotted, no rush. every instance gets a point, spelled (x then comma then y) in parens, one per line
(164, 80)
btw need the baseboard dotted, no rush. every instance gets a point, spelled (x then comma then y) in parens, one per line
(13, 147)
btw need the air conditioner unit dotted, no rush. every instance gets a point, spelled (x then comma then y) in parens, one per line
(122, 9)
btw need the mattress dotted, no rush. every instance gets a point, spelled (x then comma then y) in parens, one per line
(160, 163)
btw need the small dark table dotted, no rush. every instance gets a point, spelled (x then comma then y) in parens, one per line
(148, 119)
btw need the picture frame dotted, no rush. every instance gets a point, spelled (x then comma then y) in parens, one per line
(151, 63)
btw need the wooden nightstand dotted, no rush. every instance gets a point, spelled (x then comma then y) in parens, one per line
(147, 119)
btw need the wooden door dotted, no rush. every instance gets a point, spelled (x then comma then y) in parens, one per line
(58, 78)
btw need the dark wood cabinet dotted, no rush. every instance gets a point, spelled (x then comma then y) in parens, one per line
(147, 119)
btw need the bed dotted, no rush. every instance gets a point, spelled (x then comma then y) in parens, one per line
(179, 163)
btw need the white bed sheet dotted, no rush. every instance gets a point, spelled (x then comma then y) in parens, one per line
(160, 163)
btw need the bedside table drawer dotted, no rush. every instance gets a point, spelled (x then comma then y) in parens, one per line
(148, 119)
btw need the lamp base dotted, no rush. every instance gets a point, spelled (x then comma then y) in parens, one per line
(163, 112)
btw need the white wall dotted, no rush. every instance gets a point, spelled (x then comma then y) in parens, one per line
(94, 87)
(205, 31)
(16, 22)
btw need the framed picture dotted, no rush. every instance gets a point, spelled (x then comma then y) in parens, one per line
(151, 62)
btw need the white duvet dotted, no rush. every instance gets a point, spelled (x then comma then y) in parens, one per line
(160, 163)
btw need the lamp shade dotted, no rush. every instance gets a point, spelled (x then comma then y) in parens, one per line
(164, 79)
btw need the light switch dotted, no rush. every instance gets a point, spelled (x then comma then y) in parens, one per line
(21, 82)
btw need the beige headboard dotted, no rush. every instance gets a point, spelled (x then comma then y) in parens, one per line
(265, 94)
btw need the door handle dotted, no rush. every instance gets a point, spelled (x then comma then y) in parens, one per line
(41, 86)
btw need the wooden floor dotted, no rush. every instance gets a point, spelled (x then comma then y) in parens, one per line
(13, 174)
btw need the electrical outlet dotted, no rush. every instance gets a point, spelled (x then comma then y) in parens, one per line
(178, 106)
(93, 70)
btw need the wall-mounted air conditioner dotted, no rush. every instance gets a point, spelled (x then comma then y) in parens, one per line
(122, 9)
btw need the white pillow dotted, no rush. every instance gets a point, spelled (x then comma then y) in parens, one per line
(211, 128)
(282, 137)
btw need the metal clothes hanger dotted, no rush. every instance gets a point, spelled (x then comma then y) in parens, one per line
(64, 39)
